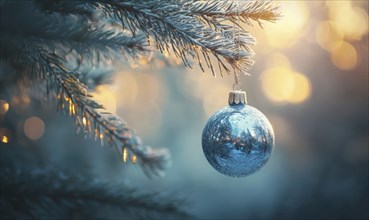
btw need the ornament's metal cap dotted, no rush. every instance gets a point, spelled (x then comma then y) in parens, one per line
(237, 97)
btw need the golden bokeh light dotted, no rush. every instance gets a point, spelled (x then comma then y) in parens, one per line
(25, 99)
(34, 128)
(127, 90)
(140, 94)
(4, 135)
(290, 27)
(281, 84)
(134, 65)
(336, 7)
(124, 154)
(20, 102)
(134, 159)
(171, 58)
(328, 35)
(166, 53)
(105, 97)
(174, 60)
(301, 89)
(347, 22)
(278, 59)
(277, 83)
(352, 20)
(4, 139)
(345, 56)
(143, 60)
(4, 107)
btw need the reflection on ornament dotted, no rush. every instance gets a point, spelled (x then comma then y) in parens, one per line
(238, 140)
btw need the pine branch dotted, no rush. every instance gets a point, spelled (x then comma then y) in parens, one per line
(66, 33)
(93, 77)
(173, 27)
(190, 28)
(75, 101)
(218, 15)
(46, 194)
(90, 41)
(245, 11)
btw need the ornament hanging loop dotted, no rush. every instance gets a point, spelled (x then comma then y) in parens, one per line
(237, 86)
(237, 68)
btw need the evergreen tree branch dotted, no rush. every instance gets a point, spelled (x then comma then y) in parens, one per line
(89, 38)
(45, 194)
(89, 117)
(245, 11)
(173, 27)
(88, 41)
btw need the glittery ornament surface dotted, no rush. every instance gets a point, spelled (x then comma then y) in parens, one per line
(238, 140)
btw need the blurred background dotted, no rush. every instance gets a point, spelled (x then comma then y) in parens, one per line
(310, 79)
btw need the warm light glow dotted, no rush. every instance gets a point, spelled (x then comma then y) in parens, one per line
(127, 90)
(344, 57)
(351, 20)
(125, 154)
(96, 134)
(279, 59)
(301, 89)
(25, 99)
(19, 103)
(73, 109)
(4, 107)
(34, 128)
(148, 89)
(70, 108)
(4, 139)
(105, 97)
(328, 35)
(278, 83)
(171, 58)
(134, 65)
(101, 136)
(5, 135)
(143, 60)
(133, 159)
(140, 94)
(84, 121)
(174, 60)
(166, 54)
(290, 27)
(281, 84)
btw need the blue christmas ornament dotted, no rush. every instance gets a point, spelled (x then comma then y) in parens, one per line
(238, 140)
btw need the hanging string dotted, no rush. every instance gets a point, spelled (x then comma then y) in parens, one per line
(237, 69)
